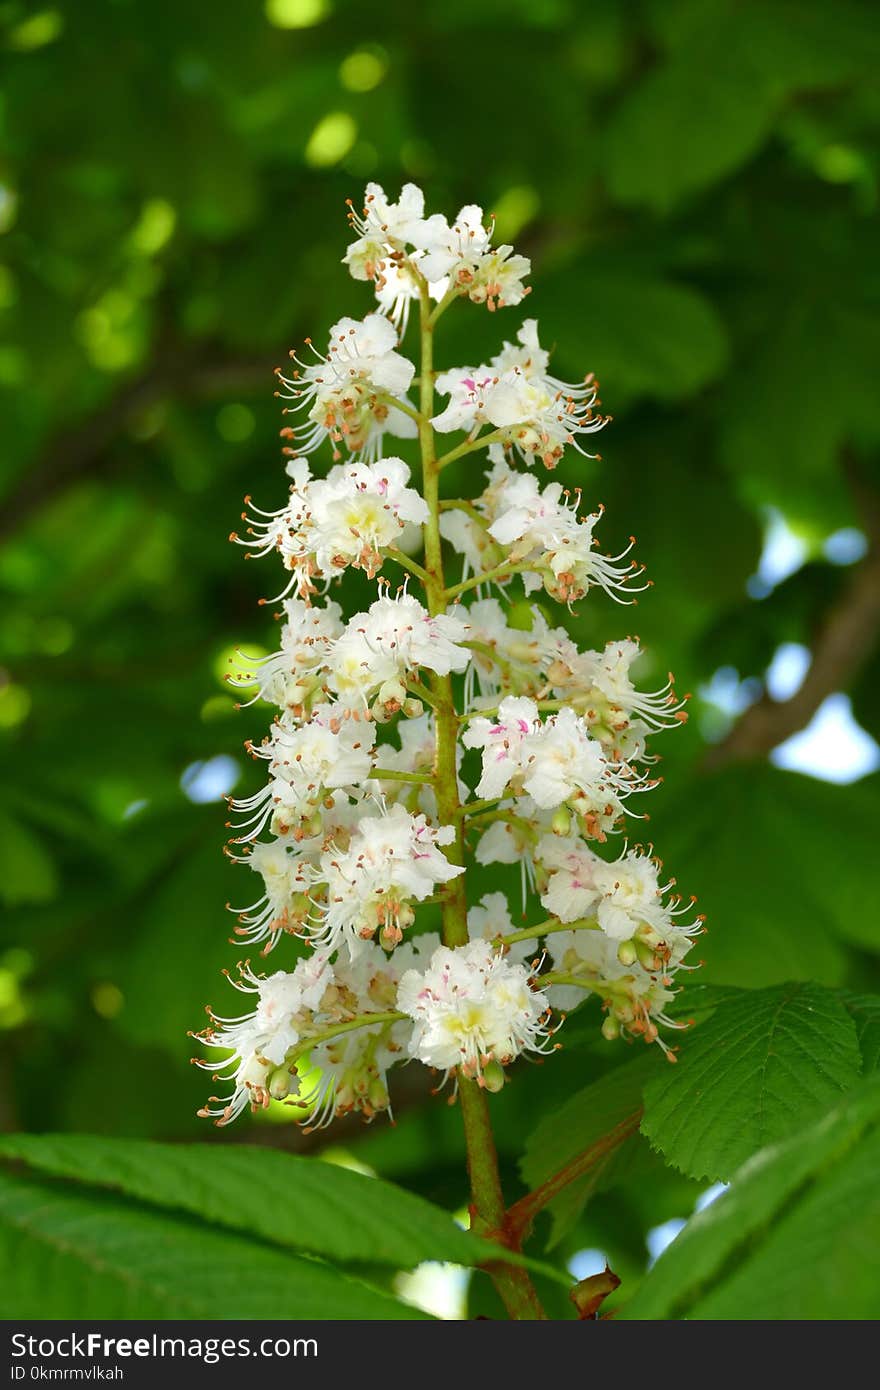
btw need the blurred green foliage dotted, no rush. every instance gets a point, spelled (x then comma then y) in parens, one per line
(696, 183)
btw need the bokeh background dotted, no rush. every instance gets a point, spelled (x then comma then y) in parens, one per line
(696, 184)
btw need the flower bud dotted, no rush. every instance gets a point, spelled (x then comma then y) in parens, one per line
(627, 953)
(279, 1083)
(560, 823)
(610, 1028)
(648, 959)
(493, 1077)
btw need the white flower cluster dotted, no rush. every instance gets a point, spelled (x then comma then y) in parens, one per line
(276, 1050)
(472, 1007)
(399, 248)
(440, 726)
(354, 394)
(538, 532)
(528, 408)
(346, 519)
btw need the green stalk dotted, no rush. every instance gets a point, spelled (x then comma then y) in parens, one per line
(513, 1285)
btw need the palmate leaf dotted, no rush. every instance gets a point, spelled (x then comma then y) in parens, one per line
(298, 1203)
(797, 1235)
(765, 1063)
(73, 1252)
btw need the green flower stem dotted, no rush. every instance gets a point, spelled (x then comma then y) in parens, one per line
(546, 705)
(513, 1284)
(440, 308)
(547, 929)
(503, 571)
(421, 692)
(459, 504)
(361, 1021)
(562, 977)
(388, 774)
(396, 403)
(478, 441)
(407, 562)
(476, 808)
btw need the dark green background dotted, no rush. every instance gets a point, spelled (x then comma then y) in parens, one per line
(696, 184)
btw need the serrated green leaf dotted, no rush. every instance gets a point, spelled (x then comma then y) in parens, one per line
(763, 1065)
(864, 1009)
(796, 1237)
(73, 1253)
(291, 1201)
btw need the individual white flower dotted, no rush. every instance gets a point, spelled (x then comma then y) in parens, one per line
(528, 408)
(285, 530)
(502, 739)
(538, 529)
(285, 905)
(349, 395)
(392, 860)
(544, 532)
(463, 252)
(260, 1042)
(568, 865)
(359, 509)
(566, 766)
(379, 649)
(330, 751)
(383, 228)
(469, 390)
(541, 414)
(473, 1007)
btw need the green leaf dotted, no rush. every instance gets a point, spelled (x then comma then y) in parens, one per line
(796, 1237)
(784, 828)
(27, 873)
(784, 422)
(586, 1117)
(689, 122)
(763, 1065)
(864, 1009)
(700, 114)
(300, 1203)
(72, 1253)
(644, 335)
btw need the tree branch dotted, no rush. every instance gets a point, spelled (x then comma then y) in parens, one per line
(844, 641)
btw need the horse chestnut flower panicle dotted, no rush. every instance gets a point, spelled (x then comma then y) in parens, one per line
(444, 724)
